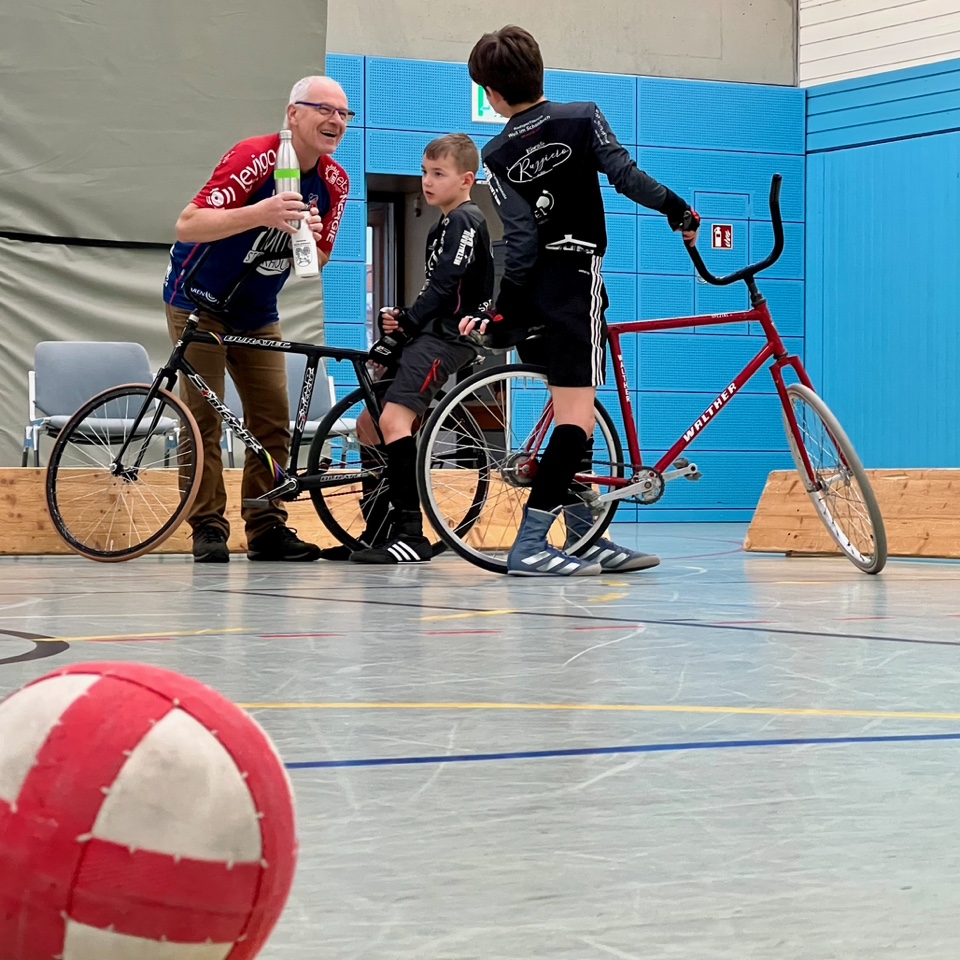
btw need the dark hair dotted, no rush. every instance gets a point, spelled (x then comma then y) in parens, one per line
(509, 62)
(460, 147)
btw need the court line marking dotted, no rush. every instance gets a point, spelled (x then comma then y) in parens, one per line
(633, 621)
(614, 708)
(159, 635)
(608, 751)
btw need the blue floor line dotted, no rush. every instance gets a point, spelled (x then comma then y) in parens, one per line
(608, 751)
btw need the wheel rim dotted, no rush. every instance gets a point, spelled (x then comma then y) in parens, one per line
(507, 405)
(836, 490)
(110, 511)
(336, 449)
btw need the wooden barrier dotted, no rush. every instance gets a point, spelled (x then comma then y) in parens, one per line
(26, 528)
(920, 508)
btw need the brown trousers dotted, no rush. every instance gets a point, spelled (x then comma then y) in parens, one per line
(261, 380)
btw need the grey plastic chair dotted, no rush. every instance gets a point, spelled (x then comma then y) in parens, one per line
(68, 373)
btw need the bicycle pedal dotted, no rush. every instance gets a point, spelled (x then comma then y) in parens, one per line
(591, 500)
(251, 503)
(682, 467)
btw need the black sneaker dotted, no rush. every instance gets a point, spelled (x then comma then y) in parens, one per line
(281, 543)
(402, 549)
(340, 553)
(210, 544)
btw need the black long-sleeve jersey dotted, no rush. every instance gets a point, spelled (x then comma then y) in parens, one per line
(543, 173)
(459, 283)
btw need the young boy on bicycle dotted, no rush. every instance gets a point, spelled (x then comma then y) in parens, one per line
(423, 346)
(543, 174)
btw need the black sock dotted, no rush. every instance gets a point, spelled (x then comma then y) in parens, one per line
(558, 464)
(402, 474)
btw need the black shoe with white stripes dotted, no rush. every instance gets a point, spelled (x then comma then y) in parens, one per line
(402, 549)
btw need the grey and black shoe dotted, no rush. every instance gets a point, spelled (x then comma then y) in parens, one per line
(210, 544)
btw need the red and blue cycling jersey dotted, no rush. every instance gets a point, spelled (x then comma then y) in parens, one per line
(243, 177)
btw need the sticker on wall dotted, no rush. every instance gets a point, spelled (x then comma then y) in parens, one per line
(482, 111)
(723, 236)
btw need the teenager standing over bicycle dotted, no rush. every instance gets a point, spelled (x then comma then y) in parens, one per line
(240, 214)
(543, 174)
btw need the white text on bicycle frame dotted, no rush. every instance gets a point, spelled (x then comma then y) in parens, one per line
(710, 412)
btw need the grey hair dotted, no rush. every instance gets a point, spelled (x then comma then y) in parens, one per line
(299, 92)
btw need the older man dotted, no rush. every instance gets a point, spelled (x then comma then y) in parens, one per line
(239, 214)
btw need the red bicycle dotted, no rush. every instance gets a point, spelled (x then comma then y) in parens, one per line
(488, 482)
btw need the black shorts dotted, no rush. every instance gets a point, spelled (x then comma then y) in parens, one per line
(570, 301)
(425, 365)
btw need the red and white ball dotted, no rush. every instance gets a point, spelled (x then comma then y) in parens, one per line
(142, 816)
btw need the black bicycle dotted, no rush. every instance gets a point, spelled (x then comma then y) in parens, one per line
(125, 469)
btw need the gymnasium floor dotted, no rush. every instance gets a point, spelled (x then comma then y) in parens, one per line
(730, 756)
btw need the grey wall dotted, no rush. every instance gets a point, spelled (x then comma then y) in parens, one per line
(747, 40)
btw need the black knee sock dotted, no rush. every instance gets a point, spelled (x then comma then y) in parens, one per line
(558, 464)
(586, 466)
(402, 474)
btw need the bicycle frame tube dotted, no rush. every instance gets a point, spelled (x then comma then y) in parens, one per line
(774, 349)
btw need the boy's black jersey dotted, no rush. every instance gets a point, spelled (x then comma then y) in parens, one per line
(543, 174)
(459, 283)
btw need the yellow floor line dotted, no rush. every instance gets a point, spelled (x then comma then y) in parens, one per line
(465, 616)
(615, 708)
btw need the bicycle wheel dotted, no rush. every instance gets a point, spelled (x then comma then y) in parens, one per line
(837, 486)
(511, 406)
(362, 498)
(121, 477)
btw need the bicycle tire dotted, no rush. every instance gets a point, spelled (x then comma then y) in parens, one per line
(493, 529)
(342, 508)
(852, 519)
(101, 524)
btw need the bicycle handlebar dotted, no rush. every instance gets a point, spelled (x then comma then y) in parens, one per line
(755, 268)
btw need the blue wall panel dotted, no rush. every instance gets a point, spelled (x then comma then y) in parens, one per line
(616, 96)
(889, 106)
(348, 72)
(725, 116)
(621, 255)
(785, 302)
(748, 422)
(421, 95)
(721, 206)
(345, 293)
(662, 297)
(350, 335)
(351, 242)
(790, 264)
(732, 299)
(350, 156)
(660, 249)
(883, 301)
(400, 152)
(689, 172)
(614, 202)
(693, 363)
(622, 293)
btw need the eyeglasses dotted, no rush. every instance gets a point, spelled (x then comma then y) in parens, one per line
(325, 110)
